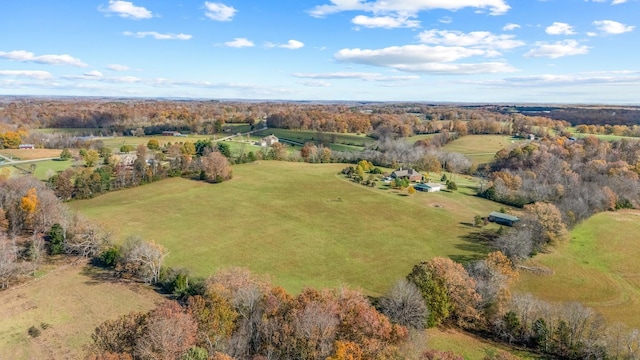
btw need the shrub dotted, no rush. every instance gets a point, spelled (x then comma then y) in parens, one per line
(34, 332)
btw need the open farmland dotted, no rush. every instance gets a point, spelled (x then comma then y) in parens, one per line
(480, 148)
(335, 141)
(599, 267)
(301, 223)
(72, 300)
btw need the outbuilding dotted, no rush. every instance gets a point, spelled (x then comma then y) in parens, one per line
(503, 219)
(428, 187)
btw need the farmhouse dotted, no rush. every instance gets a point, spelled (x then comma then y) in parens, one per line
(503, 219)
(428, 187)
(410, 174)
(268, 140)
(171, 133)
(26, 146)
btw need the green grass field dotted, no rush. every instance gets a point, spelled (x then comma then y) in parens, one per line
(599, 267)
(480, 148)
(336, 141)
(73, 300)
(301, 223)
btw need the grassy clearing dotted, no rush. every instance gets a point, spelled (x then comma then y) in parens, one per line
(301, 223)
(468, 346)
(73, 300)
(44, 169)
(30, 154)
(480, 148)
(303, 136)
(599, 267)
(118, 141)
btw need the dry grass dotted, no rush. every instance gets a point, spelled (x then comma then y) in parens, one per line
(31, 154)
(72, 300)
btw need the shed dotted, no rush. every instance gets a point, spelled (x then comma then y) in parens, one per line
(428, 187)
(26, 146)
(503, 219)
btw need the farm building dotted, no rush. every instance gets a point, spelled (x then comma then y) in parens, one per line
(410, 174)
(171, 133)
(269, 140)
(503, 219)
(26, 146)
(428, 187)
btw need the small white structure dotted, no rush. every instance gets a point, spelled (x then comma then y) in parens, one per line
(26, 146)
(428, 187)
(268, 140)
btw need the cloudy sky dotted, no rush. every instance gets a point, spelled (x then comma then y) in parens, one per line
(568, 51)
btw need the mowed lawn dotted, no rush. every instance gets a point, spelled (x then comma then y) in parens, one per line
(301, 223)
(599, 267)
(480, 148)
(72, 302)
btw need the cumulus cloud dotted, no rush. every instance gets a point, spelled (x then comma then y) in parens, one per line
(26, 56)
(239, 43)
(126, 10)
(367, 76)
(29, 74)
(510, 27)
(386, 22)
(558, 28)
(611, 27)
(617, 2)
(291, 44)
(219, 11)
(476, 39)
(157, 35)
(424, 58)
(118, 67)
(407, 7)
(557, 49)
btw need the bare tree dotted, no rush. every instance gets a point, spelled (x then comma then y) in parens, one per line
(84, 237)
(143, 259)
(8, 261)
(405, 305)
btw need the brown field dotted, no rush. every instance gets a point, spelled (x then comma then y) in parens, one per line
(73, 300)
(30, 154)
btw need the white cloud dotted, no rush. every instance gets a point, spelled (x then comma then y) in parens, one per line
(386, 22)
(319, 83)
(291, 44)
(510, 27)
(407, 7)
(611, 27)
(219, 11)
(445, 20)
(157, 35)
(558, 28)
(557, 49)
(476, 39)
(126, 9)
(355, 75)
(617, 2)
(118, 67)
(26, 56)
(239, 43)
(30, 74)
(424, 58)
(93, 73)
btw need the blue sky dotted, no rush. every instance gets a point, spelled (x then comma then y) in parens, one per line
(534, 51)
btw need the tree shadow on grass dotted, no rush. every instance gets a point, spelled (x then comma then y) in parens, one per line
(97, 273)
(477, 243)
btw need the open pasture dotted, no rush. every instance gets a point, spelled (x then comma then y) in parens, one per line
(599, 268)
(70, 301)
(480, 148)
(301, 223)
(348, 141)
